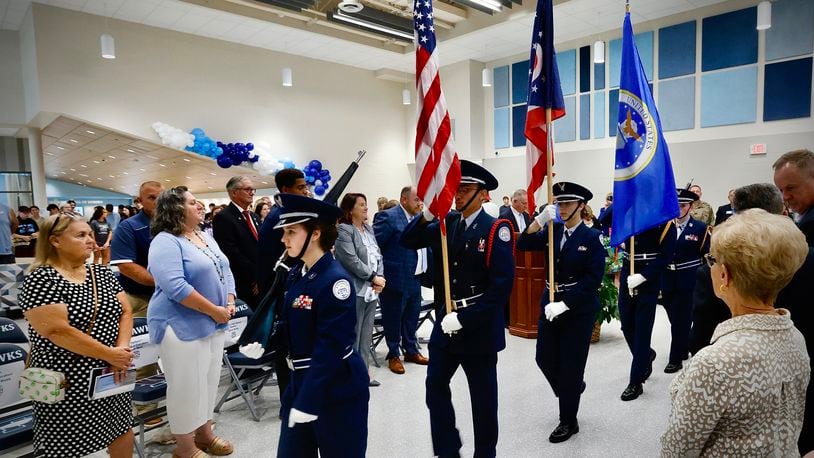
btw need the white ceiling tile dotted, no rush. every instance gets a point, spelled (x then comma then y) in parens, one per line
(103, 8)
(136, 11)
(165, 15)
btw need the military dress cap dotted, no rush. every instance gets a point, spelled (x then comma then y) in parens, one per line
(685, 196)
(472, 173)
(565, 191)
(298, 209)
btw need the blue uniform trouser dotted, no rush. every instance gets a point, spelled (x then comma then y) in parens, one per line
(562, 351)
(637, 315)
(340, 431)
(481, 375)
(678, 305)
(400, 311)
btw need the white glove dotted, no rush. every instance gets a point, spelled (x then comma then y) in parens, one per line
(555, 309)
(428, 214)
(633, 281)
(549, 213)
(252, 351)
(298, 416)
(450, 323)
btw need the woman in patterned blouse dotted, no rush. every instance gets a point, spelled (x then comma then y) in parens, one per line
(745, 394)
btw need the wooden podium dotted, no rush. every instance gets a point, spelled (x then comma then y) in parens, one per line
(529, 285)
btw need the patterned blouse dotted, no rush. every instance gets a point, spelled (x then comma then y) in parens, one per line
(744, 395)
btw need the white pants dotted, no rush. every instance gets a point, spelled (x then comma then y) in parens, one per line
(192, 369)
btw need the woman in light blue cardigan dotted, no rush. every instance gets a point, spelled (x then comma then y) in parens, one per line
(356, 249)
(194, 299)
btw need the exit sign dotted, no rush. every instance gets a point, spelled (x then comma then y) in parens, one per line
(758, 149)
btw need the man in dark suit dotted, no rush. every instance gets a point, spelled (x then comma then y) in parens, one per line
(725, 211)
(401, 299)
(235, 230)
(709, 311)
(481, 268)
(517, 212)
(794, 175)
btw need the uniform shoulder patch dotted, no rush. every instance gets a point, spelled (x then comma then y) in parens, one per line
(341, 289)
(504, 234)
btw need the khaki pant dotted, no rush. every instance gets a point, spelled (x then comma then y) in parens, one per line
(139, 307)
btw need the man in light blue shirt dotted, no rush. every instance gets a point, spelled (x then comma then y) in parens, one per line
(8, 225)
(113, 218)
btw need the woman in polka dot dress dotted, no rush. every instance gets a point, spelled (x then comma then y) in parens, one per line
(71, 335)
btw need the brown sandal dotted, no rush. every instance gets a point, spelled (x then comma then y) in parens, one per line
(196, 454)
(218, 447)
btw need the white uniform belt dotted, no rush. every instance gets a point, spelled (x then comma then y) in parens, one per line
(305, 363)
(561, 287)
(645, 256)
(685, 265)
(465, 302)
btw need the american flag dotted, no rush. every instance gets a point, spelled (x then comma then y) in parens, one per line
(544, 91)
(438, 170)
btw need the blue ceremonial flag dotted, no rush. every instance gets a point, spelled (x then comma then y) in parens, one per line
(644, 190)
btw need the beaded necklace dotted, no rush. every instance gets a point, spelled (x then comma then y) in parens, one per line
(206, 253)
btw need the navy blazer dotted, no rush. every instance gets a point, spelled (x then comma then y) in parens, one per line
(237, 242)
(319, 314)
(581, 260)
(269, 249)
(399, 261)
(470, 275)
(648, 243)
(508, 214)
(690, 248)
(806, 225)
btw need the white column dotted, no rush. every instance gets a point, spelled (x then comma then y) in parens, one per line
(37, 167)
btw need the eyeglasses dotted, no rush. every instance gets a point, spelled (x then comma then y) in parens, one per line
(710, 259)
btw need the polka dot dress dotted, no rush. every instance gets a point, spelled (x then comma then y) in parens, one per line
(76, 426)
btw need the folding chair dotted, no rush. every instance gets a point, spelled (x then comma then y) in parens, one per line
(378, 334)
(247, 376)
(150, 390)
(16, 414)
(426, 313)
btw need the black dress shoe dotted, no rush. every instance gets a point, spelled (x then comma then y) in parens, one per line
(373, 382)
(633, 391)
(650, 367)
(563, 432)
(672, 368)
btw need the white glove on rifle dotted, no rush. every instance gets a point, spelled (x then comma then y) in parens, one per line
(635, 280)
(549, 213)
(298, 416)
(450, 323)
(252, 351)
(555, 309)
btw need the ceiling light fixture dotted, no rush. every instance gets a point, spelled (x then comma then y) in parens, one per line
(599, 52)
(350, 6)
(108, 46)
(340, 16)
(72, 140)
(91, 132)
(489, 4)
(288, 77)
(59, 147)
(405, 97)
(764, 15)
(112, 157)
(486, 77)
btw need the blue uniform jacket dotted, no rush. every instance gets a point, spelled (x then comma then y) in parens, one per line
(399, 261)
(319, 312)
(470, 275)
(581, 261)
(690, 248)
(647, 243)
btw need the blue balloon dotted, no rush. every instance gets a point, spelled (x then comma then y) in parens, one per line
(326, 178)
(249, 146)
(289, 165)
(319, 190)
(254, 159)
(324, 172)
(224, 161)
(315, 164)
(197, 132)
(309, 179)
(190, 149)
(220, 144)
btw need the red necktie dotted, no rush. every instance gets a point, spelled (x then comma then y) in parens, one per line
(249, 223)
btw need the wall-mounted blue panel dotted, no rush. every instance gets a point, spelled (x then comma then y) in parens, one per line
(500, 84)
(787, 90)
(565, 128)
(567, 66)
(613, 111)
(585, 116)
(677, 103)
(792, 32)
(502, 127)
(585, 69)
(729, 39)
(729, 97)
(644, 44)
(677, 50)
(520, 81)
(599, 76)
(519, 125)
(599, 114)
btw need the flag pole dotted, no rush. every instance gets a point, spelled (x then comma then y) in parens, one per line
(549, 177)
(445, 262)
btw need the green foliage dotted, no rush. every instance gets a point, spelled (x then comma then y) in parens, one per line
(608, 292)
